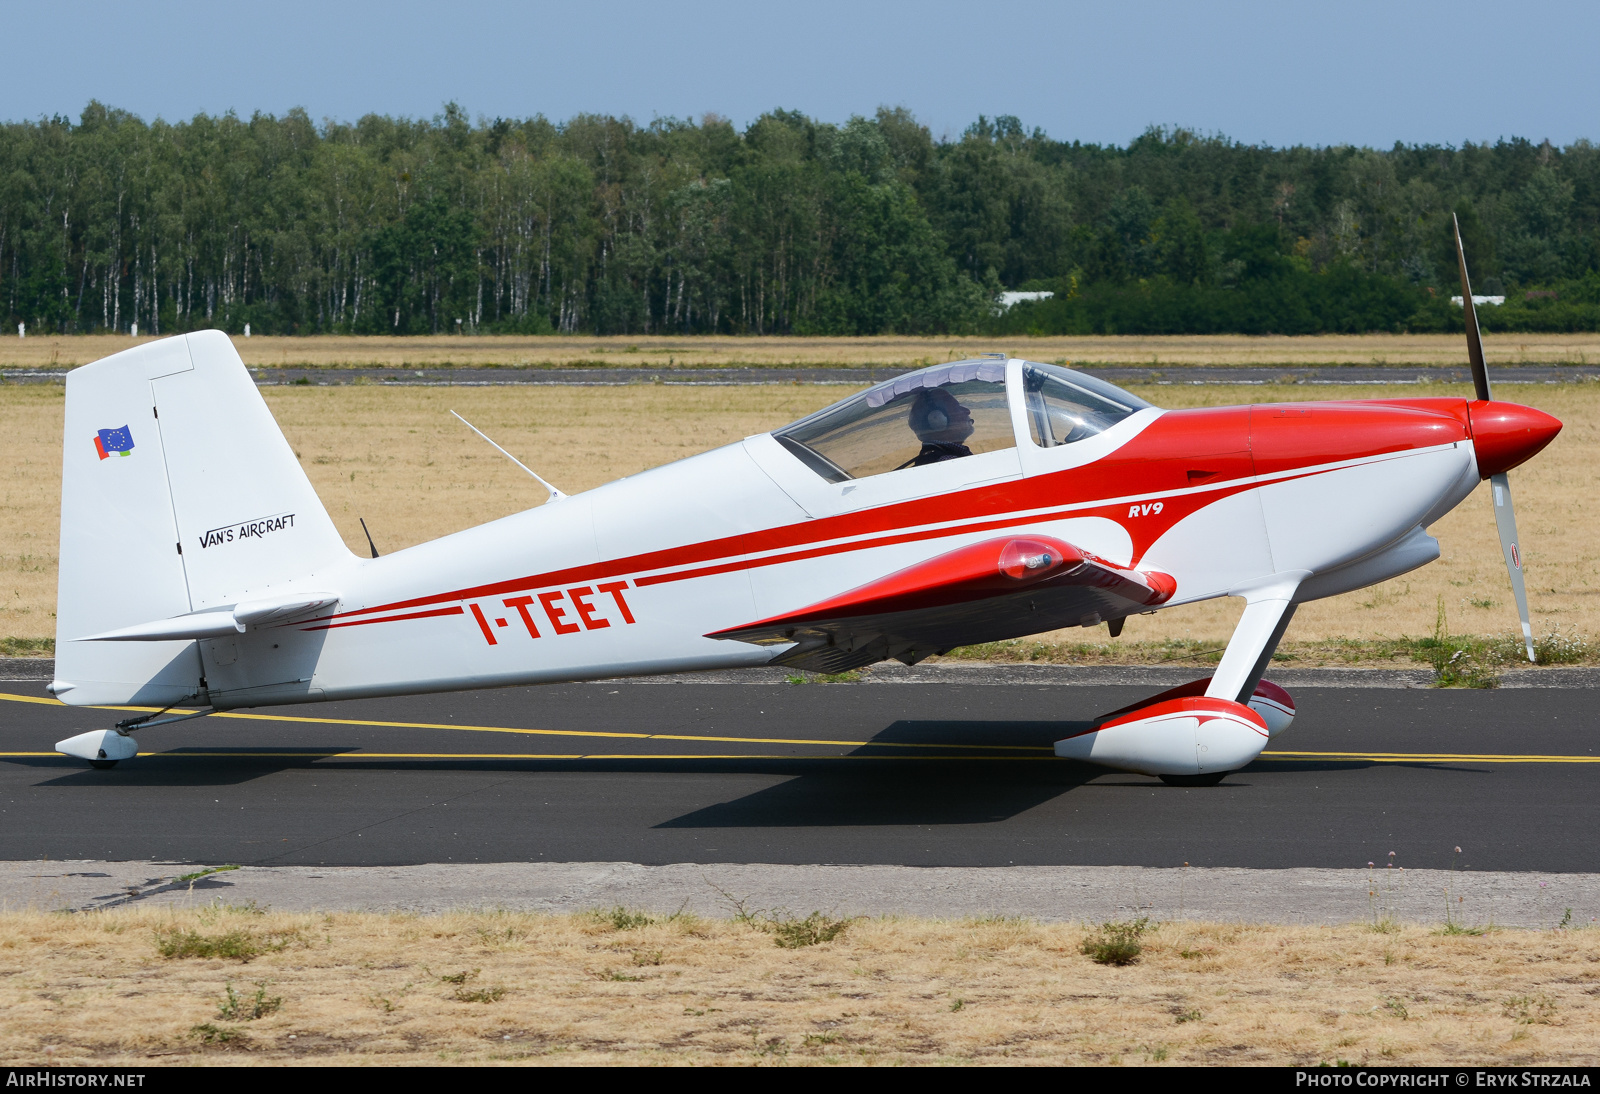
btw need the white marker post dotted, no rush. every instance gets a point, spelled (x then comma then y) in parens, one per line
(135, 330)
(22, 330)
(247, 330)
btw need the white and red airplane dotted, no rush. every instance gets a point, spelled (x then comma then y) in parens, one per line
(963, 503)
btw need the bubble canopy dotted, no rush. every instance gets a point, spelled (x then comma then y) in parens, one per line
(950, 411)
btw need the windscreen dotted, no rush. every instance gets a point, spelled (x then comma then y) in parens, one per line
(1064, 406)
(936, 414)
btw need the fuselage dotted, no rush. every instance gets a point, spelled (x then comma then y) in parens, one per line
(629, 578)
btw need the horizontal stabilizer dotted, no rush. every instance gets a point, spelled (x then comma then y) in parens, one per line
(1000, 588)
(220, 622)
(279, 609)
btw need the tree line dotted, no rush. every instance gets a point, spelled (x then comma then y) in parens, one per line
(792, 226)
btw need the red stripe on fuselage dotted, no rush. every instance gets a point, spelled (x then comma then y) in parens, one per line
(456, 610)
(1173, 459)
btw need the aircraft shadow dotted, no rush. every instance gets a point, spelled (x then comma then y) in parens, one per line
(1270, 763)
(214, 767)
(958, 788)
(934, 796)
(970, 731)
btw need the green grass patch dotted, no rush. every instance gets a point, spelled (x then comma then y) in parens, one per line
(851, 677)
(480, 995)
(1117, 943)
(247, 1008)
(625, 919)
(815, 928)
(209, 1034)
(1456, 660)
(27, 647)
(789, 931)
(236, 945)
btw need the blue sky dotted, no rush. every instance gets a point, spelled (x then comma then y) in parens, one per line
(1276, 73)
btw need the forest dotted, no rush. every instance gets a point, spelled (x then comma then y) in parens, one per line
(792, 226)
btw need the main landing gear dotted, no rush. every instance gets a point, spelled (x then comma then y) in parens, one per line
(1199, 733)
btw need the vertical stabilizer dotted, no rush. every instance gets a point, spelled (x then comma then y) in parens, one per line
(178, 494)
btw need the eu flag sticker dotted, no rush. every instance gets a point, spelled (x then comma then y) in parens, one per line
(113, 442)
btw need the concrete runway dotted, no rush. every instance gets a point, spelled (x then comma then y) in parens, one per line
(698, 771)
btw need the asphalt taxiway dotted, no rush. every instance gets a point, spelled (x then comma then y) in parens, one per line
(753, 769)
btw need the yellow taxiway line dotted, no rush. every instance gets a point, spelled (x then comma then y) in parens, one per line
(554, 732)
(179, 755)
(1381, 758)
(1431, 757)
(1036, 751)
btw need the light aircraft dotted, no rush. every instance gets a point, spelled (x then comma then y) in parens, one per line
(967, 502)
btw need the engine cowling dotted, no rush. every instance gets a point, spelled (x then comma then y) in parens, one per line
(1195, 735)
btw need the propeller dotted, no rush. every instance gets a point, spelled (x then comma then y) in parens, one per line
(1505, 517)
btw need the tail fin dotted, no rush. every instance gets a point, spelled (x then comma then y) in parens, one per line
(178, 494)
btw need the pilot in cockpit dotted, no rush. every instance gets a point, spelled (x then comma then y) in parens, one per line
(941, 424)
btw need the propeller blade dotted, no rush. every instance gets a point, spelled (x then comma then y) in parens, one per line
(1480, 371)
(1505, 521)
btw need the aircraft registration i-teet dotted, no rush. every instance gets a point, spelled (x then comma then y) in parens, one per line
(967, 502)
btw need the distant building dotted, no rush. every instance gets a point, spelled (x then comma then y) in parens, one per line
(1009, 298)
(1477, 300)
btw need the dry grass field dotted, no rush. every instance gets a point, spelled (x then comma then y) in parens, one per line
(396, 457)
(1410, 350)
(142, 987)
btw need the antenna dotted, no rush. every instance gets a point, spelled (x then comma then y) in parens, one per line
(364, 531)
(555, 495)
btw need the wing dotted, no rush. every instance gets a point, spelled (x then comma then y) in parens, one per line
(1000, 588)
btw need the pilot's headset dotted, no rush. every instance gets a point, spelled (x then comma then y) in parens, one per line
(930, 415)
